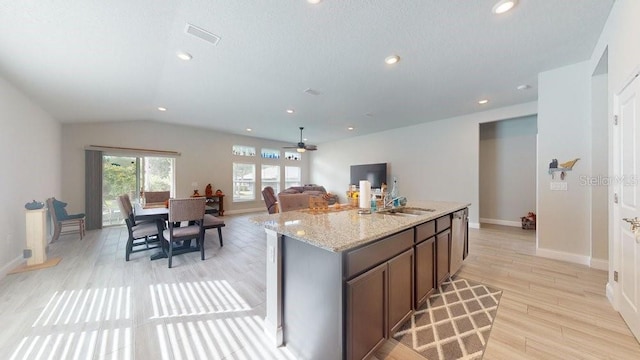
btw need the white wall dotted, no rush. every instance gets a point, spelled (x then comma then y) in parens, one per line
(564, 133)
(433, 161)
(507, 170)
(30, 143)
(205, 156)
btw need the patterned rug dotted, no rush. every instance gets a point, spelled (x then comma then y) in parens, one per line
(454, 323)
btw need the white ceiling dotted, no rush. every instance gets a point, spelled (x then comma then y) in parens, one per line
(115, 60)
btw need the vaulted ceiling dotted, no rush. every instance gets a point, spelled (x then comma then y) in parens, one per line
(116, 60)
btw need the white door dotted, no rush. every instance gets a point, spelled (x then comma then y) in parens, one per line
(627, 170)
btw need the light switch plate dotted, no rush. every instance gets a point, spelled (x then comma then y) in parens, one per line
(558, 186)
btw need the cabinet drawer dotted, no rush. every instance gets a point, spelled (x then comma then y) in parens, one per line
(378, 252)
(425, 231)
(443, 223)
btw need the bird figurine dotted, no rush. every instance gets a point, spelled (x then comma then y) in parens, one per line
(569, 164)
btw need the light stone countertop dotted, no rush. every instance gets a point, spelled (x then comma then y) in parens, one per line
(343, 230)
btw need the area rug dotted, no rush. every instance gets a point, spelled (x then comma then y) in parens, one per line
(454, 323)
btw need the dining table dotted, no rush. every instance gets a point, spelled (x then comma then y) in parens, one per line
(160, 211)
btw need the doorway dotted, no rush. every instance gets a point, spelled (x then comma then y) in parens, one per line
(507, 174)
(131, 175)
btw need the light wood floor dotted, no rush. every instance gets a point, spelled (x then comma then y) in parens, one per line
(94, 305)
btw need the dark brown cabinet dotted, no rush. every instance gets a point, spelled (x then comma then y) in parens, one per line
(366, 312)
(443, 244)
(400, 292)
(425, 270)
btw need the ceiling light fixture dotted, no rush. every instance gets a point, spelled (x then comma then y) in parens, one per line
(301, 150)
(314, 2)
(503, 6)
(393, 59)
(483, 101)
(524, 87)
(290, 111)
(160, 108)
(249, 129)
(184, 56)
(350, 128)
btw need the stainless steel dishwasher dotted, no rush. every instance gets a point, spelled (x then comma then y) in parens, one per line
(459, 239)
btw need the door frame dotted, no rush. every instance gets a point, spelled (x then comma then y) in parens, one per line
(614, 287)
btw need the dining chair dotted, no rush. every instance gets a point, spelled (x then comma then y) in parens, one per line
(142, 236)
(212, 222)
(191, 210)
(270, 199)
(63, 222)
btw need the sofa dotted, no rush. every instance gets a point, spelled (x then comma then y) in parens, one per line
(309, 190)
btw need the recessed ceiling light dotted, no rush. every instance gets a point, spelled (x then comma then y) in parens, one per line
(184, 56)
(393, 59)
(483, 101)
(524, 87)
(314, 2)
(305, 139)
(503, 6)
(160, 108)
(290, 111)
(350, 128)
(249, 129)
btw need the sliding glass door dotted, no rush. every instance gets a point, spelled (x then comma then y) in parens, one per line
(131, 175)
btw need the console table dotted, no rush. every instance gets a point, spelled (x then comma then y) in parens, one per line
(216, 200)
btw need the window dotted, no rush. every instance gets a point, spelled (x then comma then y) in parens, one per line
(244, 182)
(292, 176)
(243, 150)
(271, 177)
(130, 175)
(292, 155)
(270, 154)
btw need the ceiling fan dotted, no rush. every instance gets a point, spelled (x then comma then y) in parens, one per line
(301, 147)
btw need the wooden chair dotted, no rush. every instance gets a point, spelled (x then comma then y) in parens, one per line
(142, 236)
(270, 200)
(62, 222)
(191, 210)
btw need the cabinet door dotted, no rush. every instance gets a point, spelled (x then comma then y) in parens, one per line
(443, 244)
(425, 282)
(400, 289)
(366, 312)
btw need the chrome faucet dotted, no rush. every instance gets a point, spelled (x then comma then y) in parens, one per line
(387, 200)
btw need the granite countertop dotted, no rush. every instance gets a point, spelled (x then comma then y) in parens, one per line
(339, 231)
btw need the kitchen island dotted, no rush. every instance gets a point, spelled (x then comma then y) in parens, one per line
(340, 283)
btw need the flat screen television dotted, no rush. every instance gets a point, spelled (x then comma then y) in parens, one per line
(375, 173)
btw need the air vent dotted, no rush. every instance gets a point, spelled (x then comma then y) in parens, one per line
(202, 34)
(312, 92)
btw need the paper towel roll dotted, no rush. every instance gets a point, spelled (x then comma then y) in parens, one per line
(365, 194)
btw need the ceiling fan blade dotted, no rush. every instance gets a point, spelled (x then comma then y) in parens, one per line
(311, 147)
(289, 147)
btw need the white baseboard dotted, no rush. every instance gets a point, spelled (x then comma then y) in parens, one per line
(600, 264)
(609, 289)
(474, 225)
(501, 222)
(11, 265)
(245, 211)
(564, 256)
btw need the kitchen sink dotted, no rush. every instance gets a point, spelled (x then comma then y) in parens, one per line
(406, 211)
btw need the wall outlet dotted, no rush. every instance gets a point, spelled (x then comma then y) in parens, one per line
(558, 186)
(26, 253)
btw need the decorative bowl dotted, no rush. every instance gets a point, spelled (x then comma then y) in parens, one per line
(34, 205)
